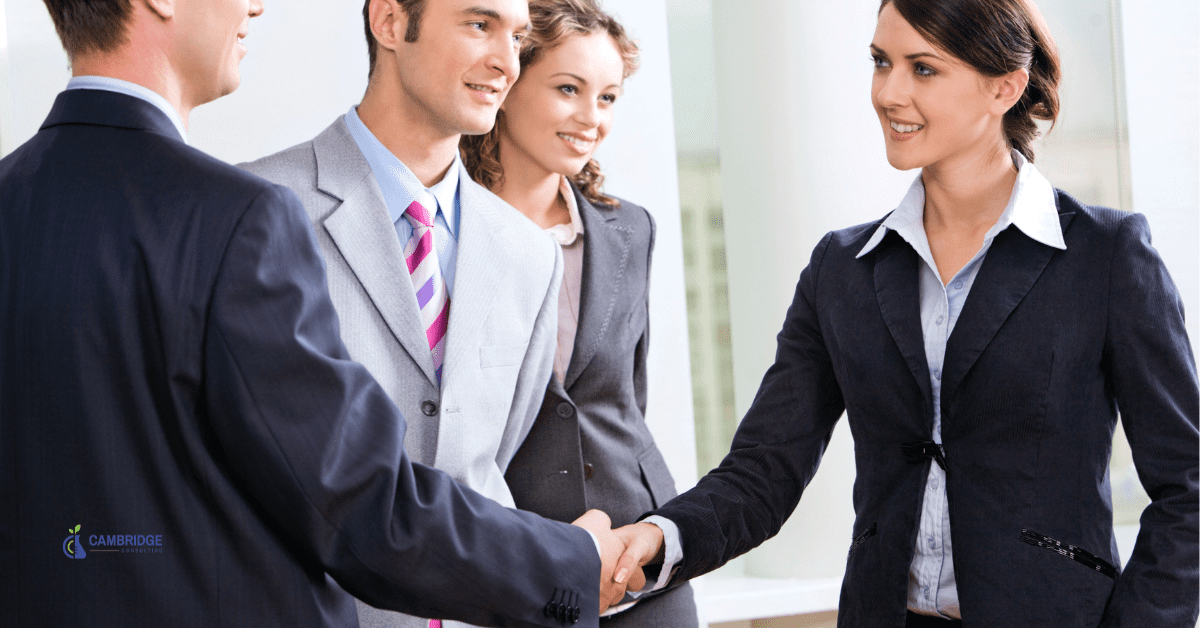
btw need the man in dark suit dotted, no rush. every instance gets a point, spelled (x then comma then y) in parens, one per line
(183, 439)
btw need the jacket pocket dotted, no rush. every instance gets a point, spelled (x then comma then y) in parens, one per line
(862, 538)
(1077, 554)
(656, 476)
(501, 355)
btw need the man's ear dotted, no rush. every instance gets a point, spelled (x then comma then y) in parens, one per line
(164, 9)
(1009, 89)
(388, 22)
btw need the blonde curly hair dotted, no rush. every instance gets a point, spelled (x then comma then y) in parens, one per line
(553, 22)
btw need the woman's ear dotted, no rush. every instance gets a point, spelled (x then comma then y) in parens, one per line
(1009, 89)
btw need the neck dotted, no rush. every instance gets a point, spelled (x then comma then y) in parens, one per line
(969, 193)
(141, 64)
(415, 140)
(533, 190)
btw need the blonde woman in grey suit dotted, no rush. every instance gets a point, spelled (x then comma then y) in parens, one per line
(589, 447)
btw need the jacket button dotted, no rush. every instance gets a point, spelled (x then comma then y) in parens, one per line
(588, 470)
(565, 410)
(429, 408)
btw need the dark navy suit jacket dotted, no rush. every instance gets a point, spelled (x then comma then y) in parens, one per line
(170, 367)
(1049, 347)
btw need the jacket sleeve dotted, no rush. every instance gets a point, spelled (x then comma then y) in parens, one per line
(1152, 372)
(643, 345)
(320, 447)
(776, 448)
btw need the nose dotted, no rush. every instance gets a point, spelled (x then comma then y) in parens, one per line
(892, 89)
(588, 113)
(505, 59)
(256, 8)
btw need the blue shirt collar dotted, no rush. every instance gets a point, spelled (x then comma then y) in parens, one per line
(1031, 208)
(400, 187)
(110, 84)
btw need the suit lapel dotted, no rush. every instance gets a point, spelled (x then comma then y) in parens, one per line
(605, 258)
(897, 287)
(1012, 265)
(478, 275)
(365, 236)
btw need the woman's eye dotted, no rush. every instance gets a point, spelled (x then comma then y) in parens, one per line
(923, 70)
(518, 39)
(608, 98)
(568, 89)
(477, 25)
(880, 62)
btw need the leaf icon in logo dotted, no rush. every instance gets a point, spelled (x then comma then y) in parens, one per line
(76, 529)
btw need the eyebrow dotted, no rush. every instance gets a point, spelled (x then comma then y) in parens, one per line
(574, 76)
(916, 55)
(493, 15)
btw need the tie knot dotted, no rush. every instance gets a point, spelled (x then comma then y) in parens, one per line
(420, 212)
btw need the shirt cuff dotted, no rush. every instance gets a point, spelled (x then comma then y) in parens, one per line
(673, 552)
(596, 541)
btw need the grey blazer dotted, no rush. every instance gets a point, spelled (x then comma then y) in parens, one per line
(590, 447)
(503, 314)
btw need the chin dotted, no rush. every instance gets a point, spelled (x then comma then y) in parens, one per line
(901, 161)
(479, 123)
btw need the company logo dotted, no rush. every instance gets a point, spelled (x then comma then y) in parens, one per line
(72, 547)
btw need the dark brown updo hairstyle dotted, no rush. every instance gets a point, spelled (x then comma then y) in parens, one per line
(996, 37)
(553, 22)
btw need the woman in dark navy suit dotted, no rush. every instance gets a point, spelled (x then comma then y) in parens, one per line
(589, 447)
(981, 340)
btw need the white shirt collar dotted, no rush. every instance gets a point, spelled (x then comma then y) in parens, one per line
(1031, 208)
(565, 233)
(110, 84)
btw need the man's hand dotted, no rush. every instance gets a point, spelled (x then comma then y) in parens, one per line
(643, 544)
(611, 548)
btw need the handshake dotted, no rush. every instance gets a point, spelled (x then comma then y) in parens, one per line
(623, 553)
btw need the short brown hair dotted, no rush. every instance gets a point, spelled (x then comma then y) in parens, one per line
(90, 25)
(553, 22)
(996, 37)
(412, 8)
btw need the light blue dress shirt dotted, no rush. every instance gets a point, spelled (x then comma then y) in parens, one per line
(400, 187)
(932, 589)
(109, 84)
(1032, 209)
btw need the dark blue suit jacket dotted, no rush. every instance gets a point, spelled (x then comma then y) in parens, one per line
(170, 367)
(1049, 346)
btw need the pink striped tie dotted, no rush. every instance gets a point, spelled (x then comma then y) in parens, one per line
(428, 281)
(435, 623)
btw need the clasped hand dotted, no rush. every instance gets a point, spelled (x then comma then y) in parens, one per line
(623, 553)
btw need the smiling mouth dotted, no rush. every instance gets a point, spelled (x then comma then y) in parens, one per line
(577, 141)
(483, 88)
(906, 128)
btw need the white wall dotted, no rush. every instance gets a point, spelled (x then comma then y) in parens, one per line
(1162, 80)
(308, 63)
(801, 154)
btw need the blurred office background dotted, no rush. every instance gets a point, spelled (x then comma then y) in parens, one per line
(748, 133)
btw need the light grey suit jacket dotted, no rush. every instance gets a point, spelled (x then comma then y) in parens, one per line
(503, 314)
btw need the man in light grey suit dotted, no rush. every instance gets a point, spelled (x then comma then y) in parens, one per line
(470, 384)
